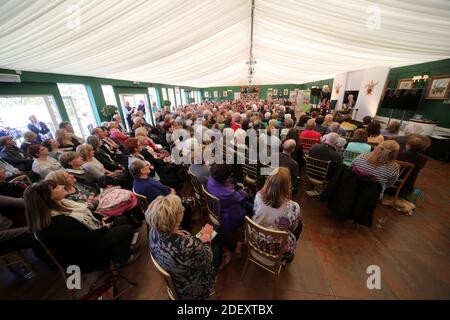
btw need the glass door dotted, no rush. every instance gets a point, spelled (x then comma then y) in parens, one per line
(15, 112)
(78, 107)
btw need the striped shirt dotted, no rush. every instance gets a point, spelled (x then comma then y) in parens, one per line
(386, 175)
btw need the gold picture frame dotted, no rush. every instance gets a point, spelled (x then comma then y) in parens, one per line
(285, 92)
(406, 83)
(438, 88)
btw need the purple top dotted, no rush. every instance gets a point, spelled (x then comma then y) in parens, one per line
(231, 201)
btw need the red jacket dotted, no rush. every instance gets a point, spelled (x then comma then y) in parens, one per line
(310, 134)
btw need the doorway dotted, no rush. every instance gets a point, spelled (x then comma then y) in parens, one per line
(15, 112)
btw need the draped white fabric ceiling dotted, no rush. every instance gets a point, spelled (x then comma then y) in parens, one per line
(206, 43)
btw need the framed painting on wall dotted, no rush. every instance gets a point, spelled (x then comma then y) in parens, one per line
(438, 88)
(216, 94)
(275, 92)
(206, 94)
(285, 92)
(225, 94)
(405, 84)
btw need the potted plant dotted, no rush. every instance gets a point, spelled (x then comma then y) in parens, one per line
(109, 110)
(167, 104)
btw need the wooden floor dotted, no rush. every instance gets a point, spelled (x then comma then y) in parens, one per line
(413, 253)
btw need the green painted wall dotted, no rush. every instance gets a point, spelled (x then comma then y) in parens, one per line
(263, 89)
(430, 109)
(38, 83)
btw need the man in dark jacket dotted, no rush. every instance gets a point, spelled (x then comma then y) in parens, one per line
(38, 127)
(327, 151)
(13, 155)
(287, 161)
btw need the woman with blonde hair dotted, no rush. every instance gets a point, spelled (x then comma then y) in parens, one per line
(95, 168)
(192, 262)
(328, 120)
(66, 143)
(274, 209)
(380, 164)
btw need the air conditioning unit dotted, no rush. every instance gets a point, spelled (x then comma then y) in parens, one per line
(5, 77)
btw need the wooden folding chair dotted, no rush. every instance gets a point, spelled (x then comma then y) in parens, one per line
(199, 197)
(316, 172)
(307, 144)
(143, 204)
(213, 205)
(347, 156)
(265, 247)
(171, 291)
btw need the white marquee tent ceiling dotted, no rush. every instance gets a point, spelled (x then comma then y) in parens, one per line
(206, 43)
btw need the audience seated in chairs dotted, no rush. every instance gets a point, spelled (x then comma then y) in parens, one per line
(336, 128)
(274, 209)
(288, 162)
(72, 162)
(347, 125)
(319, 124)
(379, 164)
(14, 234)
(66, 141)
(309, 132)
(115, 133)
(29, 138)
(71, 231)
(327, 151)
(415, 147)
(91, 197)
(192, 262)
(13, 155)
(358, 144)
(391, 130)
(373, 133)
(145, 185)
(43, 163)
(53, 148)
(95, 169)
(234, 204)
(411, 128)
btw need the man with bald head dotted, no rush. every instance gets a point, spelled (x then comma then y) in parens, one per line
(288, 162)
(327, 151)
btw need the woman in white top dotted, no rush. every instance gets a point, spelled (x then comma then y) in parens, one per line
(42, 164)
(274, 209)
(92, 166)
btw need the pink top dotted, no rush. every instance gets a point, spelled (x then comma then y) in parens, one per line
(118, 136)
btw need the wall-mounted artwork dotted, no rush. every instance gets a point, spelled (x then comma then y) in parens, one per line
(438, 88)
(405, 84)
(206, 94)
(216, 94)
(275, 92)
(225, 94)
(285, 92)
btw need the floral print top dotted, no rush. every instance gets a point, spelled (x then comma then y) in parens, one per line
(187, 260)
(285, 218)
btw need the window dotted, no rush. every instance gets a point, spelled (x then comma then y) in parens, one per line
(183, 97)
(135, 101)
(172, 98)
(164, 94)
(78, 107)
(108, 93)
(199, 96)
(16, 110)
(178, 96)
